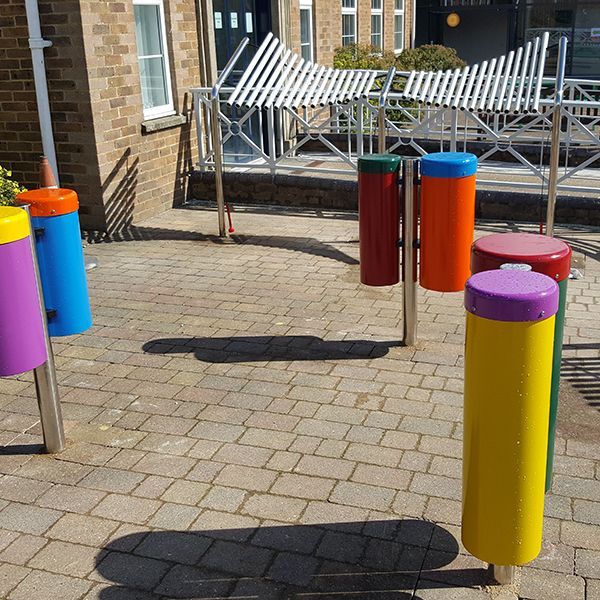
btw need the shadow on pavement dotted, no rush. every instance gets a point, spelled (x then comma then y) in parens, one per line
(264, 348)
(381, 560)
(306, 245)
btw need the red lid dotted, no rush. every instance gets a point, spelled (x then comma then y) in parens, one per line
(546, 255)
(49, 202)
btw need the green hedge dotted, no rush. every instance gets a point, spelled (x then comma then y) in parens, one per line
(8, 188)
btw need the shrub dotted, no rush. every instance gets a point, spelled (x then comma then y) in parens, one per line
(430, 57)
(363, 56)
(8, 188)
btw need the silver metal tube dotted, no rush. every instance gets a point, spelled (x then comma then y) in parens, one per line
(331, 96)
(469, 87)
(503, 574)
(425, 87)
(487, 85)
(410, 168)
(480, 81)
(368, 84)
(387, 86)
(507, 72)
(37, 45)
(453, 83)
(293, 100)
(497, 78)
(258, 70)
(46, 385)
(266, 72)
(215, 130)
(461, 87)
(540, 73)
(513, 80)
(333, 75)
(556, 125)
(292, 79)
(416, 88)
(409, 82)
(434, 88)
(352, 90)
(344, 89)
(522, 76)
(534, 54)
(274, 75)
(439, 100)
(295, 84)
(316, 89)
(231, 63)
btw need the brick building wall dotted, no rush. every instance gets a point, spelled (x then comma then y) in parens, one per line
(121, 172)
(327, 28)
(68, 89)
(142, 173)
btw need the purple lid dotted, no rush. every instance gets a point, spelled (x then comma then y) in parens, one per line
(507, 295)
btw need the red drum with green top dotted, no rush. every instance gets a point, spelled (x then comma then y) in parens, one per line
(546, 255)
(379, 219)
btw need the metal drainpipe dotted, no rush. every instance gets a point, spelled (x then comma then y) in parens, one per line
(37, 45)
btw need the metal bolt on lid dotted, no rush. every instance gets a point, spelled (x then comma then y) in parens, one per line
(515, 267)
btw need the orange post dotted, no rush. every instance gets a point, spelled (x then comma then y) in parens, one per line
(447, 219)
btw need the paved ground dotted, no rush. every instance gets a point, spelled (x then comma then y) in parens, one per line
(243, 423)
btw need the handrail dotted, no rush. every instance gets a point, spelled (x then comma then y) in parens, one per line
(387, 86)
(214, 93)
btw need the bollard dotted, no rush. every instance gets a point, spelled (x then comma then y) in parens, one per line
(22, 345)
(60, 257)
(379, 219)
(508, 363)
(447, 219)
(546, 255)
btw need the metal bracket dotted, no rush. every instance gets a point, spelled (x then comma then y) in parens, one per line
(39, 232)
(51, 313)
(39, 43)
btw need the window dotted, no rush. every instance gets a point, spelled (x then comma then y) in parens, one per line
(398, 25)
(155, 77)
(377, 23)
(348, 22)
(306, 29)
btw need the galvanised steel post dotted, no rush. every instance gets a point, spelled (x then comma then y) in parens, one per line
(555, 146)
(410, 174)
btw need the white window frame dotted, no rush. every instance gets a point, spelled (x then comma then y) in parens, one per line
(377, 12)
(350, 11)
(169, 108)
(308, 6)
(397, 13)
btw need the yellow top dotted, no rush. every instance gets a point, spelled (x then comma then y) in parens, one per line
(14, 224)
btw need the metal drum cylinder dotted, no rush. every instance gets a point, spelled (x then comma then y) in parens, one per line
(508, 363)
(447, 219)
(60, 257)
(379, 219)
(546, 255)
(22, 343)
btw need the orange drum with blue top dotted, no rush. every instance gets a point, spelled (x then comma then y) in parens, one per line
(447, 219)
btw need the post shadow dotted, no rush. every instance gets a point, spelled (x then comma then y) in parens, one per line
(264, 348)
(583, 372)
(361, 560)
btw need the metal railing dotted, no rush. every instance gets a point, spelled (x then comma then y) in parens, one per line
(330, 139)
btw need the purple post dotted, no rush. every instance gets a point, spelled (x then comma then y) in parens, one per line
(22, 345)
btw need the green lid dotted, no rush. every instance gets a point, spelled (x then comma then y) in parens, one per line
(378, 163)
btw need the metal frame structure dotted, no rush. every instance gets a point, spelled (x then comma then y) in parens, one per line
(502, 108)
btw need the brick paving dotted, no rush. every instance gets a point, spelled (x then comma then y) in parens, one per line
(242, 422)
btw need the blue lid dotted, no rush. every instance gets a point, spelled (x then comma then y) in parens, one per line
(449, 164)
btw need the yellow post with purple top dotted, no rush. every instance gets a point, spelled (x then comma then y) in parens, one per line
(508, 368)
